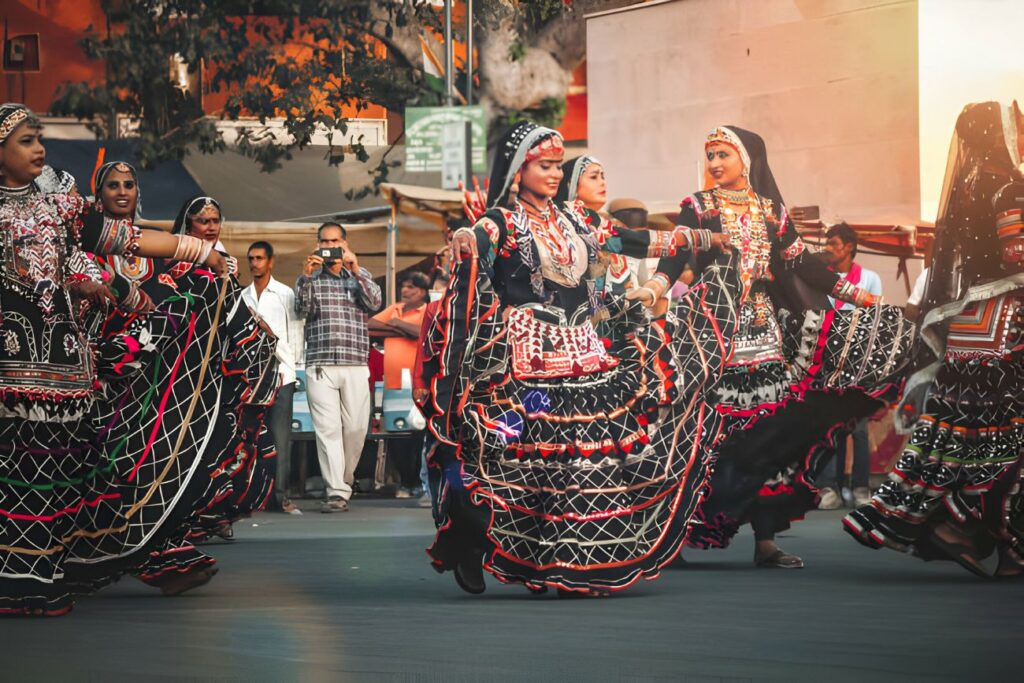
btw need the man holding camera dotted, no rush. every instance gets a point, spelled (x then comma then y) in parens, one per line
(334, 296)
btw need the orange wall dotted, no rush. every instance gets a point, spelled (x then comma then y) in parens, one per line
(574, 126)
(60, 24)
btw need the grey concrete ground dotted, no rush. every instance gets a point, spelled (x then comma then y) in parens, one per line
(350, 597)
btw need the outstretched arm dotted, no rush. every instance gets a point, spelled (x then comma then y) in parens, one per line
(100, 234)
(690, 239)
(793, 254)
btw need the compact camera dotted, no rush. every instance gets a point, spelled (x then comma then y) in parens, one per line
(330, 253)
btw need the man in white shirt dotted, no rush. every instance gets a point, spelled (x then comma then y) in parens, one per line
(274, 303)
(841, 249)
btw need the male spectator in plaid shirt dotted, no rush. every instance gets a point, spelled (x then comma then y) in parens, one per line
(334, 297)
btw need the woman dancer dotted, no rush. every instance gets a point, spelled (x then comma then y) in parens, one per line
(779, 391)
(954, 494)
(157, 460)
(47, 369)
(565, 463)
(242, 480)
(583, 185)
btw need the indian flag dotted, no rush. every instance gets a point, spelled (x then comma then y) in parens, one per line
(433, 68)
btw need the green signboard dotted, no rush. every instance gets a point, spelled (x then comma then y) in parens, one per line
(424, 134)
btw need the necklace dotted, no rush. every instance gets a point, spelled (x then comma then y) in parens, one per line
(536, 211)
(15, 192)
(734, 196)
(743, 221)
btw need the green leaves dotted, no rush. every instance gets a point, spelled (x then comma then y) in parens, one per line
(308, 62)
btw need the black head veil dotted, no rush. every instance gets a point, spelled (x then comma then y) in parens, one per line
(759, 173)
(191, 208)
(509, 157)
(572, 171)
(788, 290)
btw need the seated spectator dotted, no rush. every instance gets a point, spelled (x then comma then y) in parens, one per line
(400, 324)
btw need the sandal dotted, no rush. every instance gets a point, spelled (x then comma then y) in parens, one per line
(779, 560)
(1010, 565)
(959, 548)
(179, 583)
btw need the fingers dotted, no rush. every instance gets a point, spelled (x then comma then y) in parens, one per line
(313, 262)
(463, 246)
(642, 294)
(480, 196)
(218, 263)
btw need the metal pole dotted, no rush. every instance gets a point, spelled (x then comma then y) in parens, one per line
(469, 51)
(449, 61)
(390, 254)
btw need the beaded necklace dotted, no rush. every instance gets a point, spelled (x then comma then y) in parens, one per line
(546, 229)
(743, 220)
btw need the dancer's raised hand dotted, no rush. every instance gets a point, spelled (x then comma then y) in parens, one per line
(474, 204)
(463, 245)
(218, 263)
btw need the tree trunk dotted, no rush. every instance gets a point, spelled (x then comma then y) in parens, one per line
(508, 85)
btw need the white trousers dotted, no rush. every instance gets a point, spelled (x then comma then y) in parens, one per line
(339, 403)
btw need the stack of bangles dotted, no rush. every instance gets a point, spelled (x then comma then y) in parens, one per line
(656, 287)
(192, 249)
(694, 239)
(851, 293)
(135, 299)
(862, 297)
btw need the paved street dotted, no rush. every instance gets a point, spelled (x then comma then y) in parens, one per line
(350, 597)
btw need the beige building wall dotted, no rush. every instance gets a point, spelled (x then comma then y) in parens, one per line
(830, 84)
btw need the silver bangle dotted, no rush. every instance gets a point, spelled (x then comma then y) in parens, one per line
(204, 252)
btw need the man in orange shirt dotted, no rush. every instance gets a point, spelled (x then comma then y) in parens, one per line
(399, 324)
